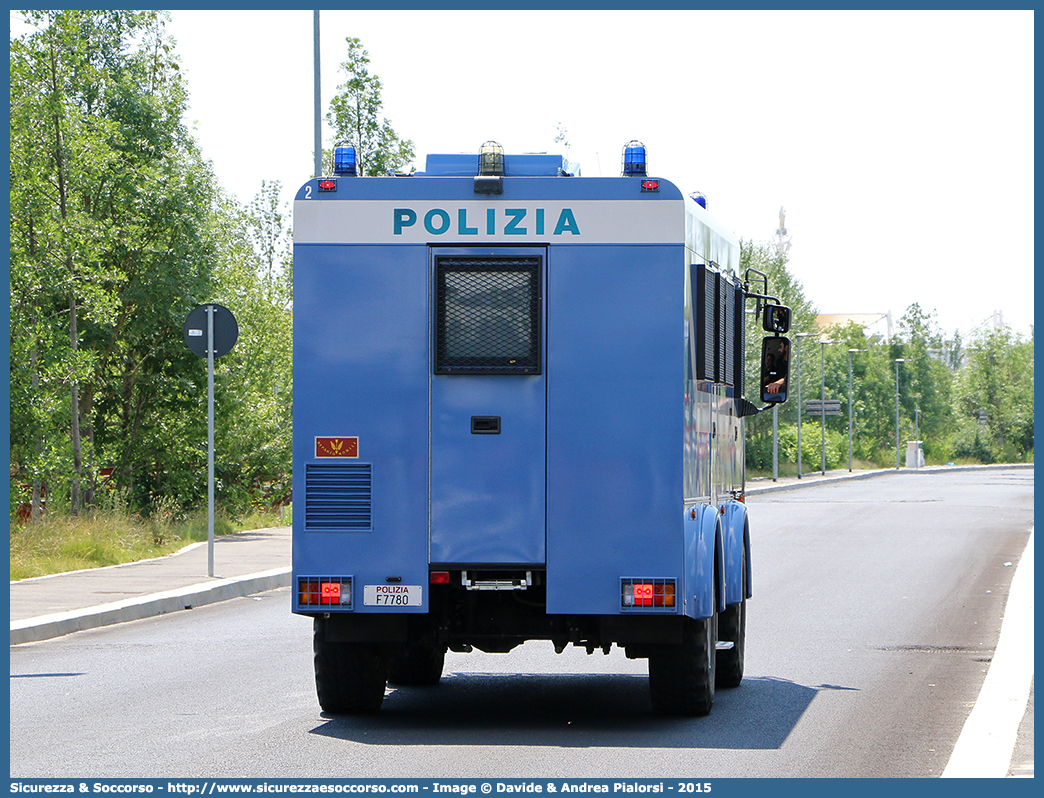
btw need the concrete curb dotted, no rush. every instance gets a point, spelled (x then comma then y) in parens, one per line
(754, 488)
(45, 627)
(809, 481)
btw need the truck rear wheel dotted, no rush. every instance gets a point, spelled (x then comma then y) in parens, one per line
(732, 628)
(682, 676)
(349, 677)
(417, 666)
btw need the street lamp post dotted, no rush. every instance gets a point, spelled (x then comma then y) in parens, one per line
(917, 429)
(797, 365)
(318, 97)
(850, 353)
(822, 403)
(898, 360)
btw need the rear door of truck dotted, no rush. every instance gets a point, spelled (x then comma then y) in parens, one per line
(488, 404)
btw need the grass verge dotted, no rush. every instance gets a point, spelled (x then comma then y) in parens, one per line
(59, 544)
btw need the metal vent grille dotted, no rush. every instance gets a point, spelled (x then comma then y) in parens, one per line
(718, 318)
(338, 496)
(740, 348)
(705, 287)
(487, 316)
(722, 332)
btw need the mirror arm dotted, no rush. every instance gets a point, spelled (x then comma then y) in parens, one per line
(749, 293)
(759, 297)
(746, 280)
(748, 408)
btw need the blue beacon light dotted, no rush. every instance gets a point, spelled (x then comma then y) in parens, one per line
(634, 161)
(345, 160)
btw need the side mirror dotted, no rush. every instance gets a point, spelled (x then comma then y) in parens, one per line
(776, 319)
(775, 369)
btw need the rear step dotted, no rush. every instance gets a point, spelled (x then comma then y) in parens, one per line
(498, 583)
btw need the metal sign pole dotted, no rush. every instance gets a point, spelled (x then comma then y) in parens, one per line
(797, 358)
(822, 405)
(318, 98)
(210, 440)
(210, 331)
(850, 411)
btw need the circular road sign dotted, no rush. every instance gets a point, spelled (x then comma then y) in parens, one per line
(226, 330)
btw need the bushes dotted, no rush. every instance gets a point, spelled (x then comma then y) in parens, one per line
(759, 448)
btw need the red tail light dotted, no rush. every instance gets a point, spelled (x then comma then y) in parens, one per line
(647, 593)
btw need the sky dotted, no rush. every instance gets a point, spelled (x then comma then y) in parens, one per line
(899, 143)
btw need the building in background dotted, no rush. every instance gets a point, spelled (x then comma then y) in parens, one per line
(879, 324)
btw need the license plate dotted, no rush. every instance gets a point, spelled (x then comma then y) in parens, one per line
(392, 595)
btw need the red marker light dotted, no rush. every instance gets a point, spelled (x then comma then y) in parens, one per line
(440, 577)
(330, 593)
(331, 590)
(650, 185)
(643, 595)
(648, 593)
(328, 185)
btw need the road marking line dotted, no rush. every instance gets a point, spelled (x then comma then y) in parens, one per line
(987, 742)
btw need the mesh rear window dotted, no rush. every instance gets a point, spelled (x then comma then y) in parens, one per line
(487, 316)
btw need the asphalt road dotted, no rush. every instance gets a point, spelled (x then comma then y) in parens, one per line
(877, 606)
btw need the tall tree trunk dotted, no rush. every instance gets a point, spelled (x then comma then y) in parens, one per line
(36, 506)
(87, 414)
(74, 427)
(63, 207)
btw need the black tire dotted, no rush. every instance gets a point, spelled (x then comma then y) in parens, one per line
(349, 677)
(732, 628)
(417, 666)
(681, 677)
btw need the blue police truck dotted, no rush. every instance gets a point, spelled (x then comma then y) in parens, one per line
(518, 415)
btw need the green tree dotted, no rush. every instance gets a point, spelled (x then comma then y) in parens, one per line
(925, 381)
(254, 417)
(993, 398)
(355, 115)
(789, 291)
(266, 222)
(117, 231)
(873, 391)
(109, 242)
